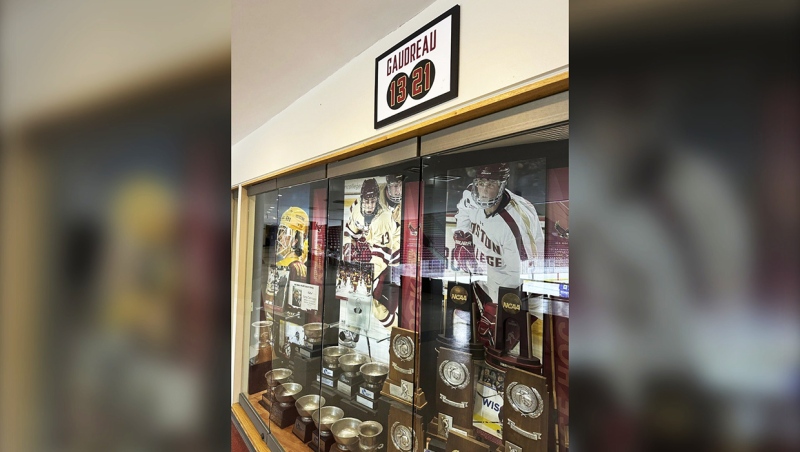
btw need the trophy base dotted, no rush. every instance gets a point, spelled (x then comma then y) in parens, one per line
(282, 416)
(476, 349)
(367, 396)
(309, 350)
(267, 400)
(329, 377)
(303, 430)
(402, 395)
(321, 443)
(348, 387)
(304, 369)
(502, 360)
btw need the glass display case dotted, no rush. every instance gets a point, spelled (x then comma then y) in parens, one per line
(495, 271)
(417, 304)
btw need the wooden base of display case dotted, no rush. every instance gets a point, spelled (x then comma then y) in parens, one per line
(283, 436)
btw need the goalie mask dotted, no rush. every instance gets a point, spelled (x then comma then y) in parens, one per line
(292, 235)
(489, 184)
(394, 188)
(369, 199)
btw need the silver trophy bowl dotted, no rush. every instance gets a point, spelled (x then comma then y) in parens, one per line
(330, 356)
(352, 362)
(286, 393)
(375, 373)
(278, 376)
(308, 404)
(345, 431)
(313, 332)
(368, 433)
(326, 416)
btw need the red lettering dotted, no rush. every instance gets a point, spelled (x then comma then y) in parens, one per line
(425, 45)
(389, 66)
(433, 40)
(419, 49)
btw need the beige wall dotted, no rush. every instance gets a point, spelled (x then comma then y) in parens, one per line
(504, 44)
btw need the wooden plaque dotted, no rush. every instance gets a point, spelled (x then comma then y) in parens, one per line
(525, 409)
(455, 389)
(402, 383)
(457, 442)
(404, 429)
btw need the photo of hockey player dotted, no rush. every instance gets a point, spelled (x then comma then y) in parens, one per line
(497, 237)
(371, 247)
(291, 252)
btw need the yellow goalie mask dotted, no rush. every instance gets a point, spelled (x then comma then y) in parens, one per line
(292, 236)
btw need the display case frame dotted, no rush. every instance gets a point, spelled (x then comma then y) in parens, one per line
(536, 105)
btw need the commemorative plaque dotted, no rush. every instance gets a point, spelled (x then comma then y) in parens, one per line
(513, 326)
(457, 442)
(525, 409)
(455, 394)
(405, 429)
(402, 384)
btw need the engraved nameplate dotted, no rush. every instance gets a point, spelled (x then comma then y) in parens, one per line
(328, 382)
(401, 370)
(344, 387)
(526, 434)
(366, 402)
(328, 372)
(366, 393)
(304, 353)
(404, 391)
(451, 403)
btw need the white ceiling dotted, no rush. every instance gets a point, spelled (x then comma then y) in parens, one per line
(282, 49)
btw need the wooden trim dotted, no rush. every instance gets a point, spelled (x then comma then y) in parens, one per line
(251, 433)
(240, 301)
(528, 93)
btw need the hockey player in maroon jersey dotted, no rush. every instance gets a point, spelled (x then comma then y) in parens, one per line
(372, 235)
(497, 234)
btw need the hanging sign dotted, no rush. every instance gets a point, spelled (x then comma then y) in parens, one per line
(420, 72)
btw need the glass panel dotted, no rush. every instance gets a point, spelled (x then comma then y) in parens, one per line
(260, 339)
(495, 279)
(297, 277)
(370, 305)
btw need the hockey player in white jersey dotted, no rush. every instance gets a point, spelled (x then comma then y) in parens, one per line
(372, 235)
(497, 234)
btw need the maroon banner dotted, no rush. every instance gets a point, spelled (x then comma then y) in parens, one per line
(316, 242)
(409, 259)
